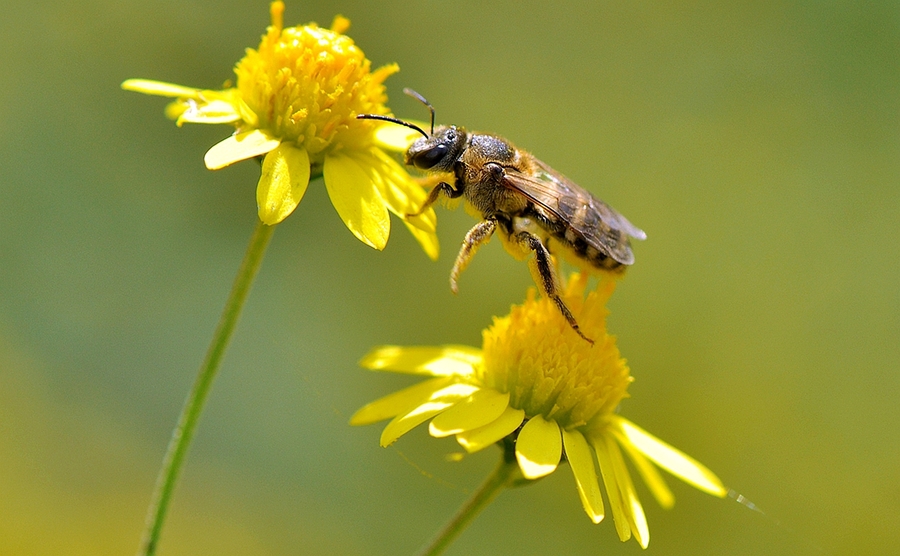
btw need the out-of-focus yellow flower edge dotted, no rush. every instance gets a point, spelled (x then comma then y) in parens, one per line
(364, 183)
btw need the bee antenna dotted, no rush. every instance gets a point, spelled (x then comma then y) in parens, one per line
(392, 120)
(421, 99)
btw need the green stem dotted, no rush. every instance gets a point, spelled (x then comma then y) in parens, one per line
(503, 476)
(193, 406)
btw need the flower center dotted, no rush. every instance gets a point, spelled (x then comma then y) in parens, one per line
(307, 84)
(547, 368)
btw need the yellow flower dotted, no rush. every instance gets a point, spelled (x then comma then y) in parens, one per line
(295, 103)
(541, 390)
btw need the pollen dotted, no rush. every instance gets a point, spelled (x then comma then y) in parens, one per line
(307, 84)
(548, 370)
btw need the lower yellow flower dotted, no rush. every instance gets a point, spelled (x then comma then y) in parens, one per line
(295, 104)
(536, 385)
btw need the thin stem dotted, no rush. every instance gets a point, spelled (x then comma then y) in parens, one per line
(193, 406)
(503, 476)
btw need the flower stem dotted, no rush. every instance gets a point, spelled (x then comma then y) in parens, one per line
(193, 406)
(503, 476)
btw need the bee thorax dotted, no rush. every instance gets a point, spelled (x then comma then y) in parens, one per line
(524, 224)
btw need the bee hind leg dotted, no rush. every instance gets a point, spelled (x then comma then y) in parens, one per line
(545, 277)
(476, 237)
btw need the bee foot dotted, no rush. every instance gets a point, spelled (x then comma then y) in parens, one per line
(578, 331)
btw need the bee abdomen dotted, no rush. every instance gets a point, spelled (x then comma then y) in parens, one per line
(562, 238)
(587, 253)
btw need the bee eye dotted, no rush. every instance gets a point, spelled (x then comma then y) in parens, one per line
(430, 158)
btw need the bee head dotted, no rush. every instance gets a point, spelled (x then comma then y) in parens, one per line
(436, 151)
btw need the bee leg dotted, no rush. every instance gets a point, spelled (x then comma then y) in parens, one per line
(476, 237)
(545, 277)
(434, 194)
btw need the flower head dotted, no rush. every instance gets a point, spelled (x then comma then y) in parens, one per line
(295, 104)
(539, 388)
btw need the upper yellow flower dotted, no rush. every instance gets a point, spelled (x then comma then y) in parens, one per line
(543, 392)
(296, 102)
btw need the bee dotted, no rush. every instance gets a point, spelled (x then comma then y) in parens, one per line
(535, 208)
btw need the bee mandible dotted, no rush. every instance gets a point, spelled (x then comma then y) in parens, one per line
(537, 209)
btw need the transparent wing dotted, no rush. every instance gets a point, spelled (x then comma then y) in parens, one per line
(596, 222)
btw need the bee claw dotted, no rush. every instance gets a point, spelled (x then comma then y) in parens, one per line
(578, 331)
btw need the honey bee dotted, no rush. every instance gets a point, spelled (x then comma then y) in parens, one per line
(536, 209)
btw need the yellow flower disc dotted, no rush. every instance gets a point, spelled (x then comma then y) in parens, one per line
(307, 84)
(548, 370)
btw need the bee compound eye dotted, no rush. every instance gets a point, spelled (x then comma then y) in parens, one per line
(431, 157)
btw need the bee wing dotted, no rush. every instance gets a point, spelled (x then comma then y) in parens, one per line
(598, 223)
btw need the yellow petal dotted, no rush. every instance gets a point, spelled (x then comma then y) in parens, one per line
(340, 24)
(176, 108)
(160, 88)
(402, 401)
(538, 447)
(282, 182)
(482, 437)
(438, 402)
(634, 512)
(649, 473)
(240, 146)
(671, 459)
(396, 137)
(450, 360)
(357, 200)
(481, 408)
(428, 240)
(613, 492)
(212, 112)
(402, 194)
(248, 116)
(581, 460)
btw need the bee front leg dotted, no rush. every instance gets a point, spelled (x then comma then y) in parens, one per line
(545, 277)
(435, 193)
(476, 237)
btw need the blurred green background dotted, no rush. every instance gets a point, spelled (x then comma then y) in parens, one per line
(758, 144)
